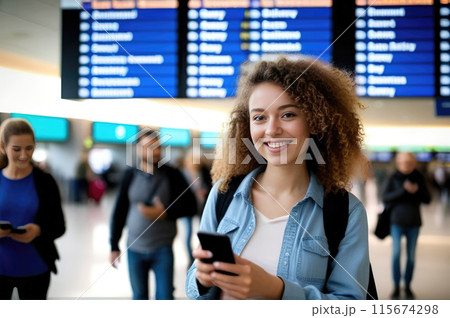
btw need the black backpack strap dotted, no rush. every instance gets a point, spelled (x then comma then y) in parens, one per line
(372, 293)
(224, 199)
(335, 219)
(222, 204)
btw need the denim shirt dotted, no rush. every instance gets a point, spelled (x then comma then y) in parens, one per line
(304, 252)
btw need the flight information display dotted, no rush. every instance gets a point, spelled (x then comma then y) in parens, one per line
(443, 69)
(127, 49)
(196, 48)
(395, 53)
(223, 34)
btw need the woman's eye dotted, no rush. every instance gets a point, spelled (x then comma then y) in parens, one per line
(16, 149)
(258, 118)
(289, 115)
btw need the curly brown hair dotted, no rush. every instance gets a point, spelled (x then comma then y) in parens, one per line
(327, 98)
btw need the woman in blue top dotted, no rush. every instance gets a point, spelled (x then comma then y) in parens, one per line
(297, 136)
(29, 199)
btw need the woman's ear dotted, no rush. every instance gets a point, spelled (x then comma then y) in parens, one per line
(2, 149)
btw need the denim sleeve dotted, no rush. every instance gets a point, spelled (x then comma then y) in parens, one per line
(208, 223)
(349, 277)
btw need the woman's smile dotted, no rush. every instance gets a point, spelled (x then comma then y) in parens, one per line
(277, 146)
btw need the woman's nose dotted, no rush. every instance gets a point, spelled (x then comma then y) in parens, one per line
(273, 128)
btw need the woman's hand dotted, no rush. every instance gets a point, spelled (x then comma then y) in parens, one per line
(4, 233)
(32, 231)
(204, 270)
(252, 281)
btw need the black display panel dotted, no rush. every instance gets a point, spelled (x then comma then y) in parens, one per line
(126, 49)
(224, 34)
(395, 48)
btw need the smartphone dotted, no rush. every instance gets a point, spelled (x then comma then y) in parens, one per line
(219, 245)
(19, 230)
(5, 225)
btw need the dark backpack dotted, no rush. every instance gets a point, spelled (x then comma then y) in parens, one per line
(335, 219)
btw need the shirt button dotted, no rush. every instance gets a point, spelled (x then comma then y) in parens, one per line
(295, 213)
(287, 254)
(285, 263)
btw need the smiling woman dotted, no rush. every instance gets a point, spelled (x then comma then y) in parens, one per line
(321, 95)
(275, 220)
(29, 201)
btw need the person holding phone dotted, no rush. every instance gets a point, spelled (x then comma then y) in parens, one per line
(150, 199)
(31, 214)
(405, 191)
(297, 137)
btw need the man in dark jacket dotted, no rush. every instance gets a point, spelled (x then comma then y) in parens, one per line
(404, 192)
(149, 201)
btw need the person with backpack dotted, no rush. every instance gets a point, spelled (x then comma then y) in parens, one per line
(151, 197)
(293, 145)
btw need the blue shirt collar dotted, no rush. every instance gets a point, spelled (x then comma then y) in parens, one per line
(315, 189)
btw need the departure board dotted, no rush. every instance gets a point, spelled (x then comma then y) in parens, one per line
(196, 48)
(223, 34)
(395, 53)
(443, 45)
(127, 49)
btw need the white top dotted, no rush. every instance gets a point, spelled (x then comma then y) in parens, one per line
(264, 246)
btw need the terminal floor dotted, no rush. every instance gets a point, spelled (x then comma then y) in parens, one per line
(85, 272)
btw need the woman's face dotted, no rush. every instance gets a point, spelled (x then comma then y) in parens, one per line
(19, 151)
(277, 126)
